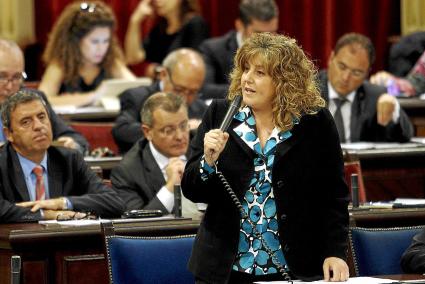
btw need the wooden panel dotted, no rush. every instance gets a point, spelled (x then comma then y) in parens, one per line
(94, 267)
(34, 272)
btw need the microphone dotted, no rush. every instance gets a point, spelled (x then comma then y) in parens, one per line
(15, 269)
(234, 105)
(355, 190)
(177, 201)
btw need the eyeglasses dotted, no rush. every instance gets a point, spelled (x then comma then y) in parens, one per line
(86, 7)
(170, 131)
(77, 216)
(180, 90)
(355, 72)
(16, 79)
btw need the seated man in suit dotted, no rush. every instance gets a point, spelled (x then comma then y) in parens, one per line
(218, 52)
(11, 80)
(182, 73)
(146, 176)
(413, 259)
(40, 181)
(362, 111)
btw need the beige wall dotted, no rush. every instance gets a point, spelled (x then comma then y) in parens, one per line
(412, 16)
(17, 21)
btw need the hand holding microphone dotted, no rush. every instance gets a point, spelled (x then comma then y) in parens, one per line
(214, 142)
(215, 139)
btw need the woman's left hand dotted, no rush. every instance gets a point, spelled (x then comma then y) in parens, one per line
(338, 267)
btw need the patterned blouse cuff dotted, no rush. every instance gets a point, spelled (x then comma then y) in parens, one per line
(206, 170)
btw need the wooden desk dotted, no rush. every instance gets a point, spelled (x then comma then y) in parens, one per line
(415, 109)
(106, 163)
(392, 173)
(87, 114)
(386, 218)
(71, 254)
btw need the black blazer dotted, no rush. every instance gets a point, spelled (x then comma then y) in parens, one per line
(60, 128)
(137, 178)
(218, 55)
(127, 129)
(69, 176)
(364, 125)
(413, 259)
(308, 184)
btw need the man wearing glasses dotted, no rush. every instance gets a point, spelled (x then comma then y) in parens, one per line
(182, 73)
(146, 176)
(12, 76)
(362, 111)
(41, 181)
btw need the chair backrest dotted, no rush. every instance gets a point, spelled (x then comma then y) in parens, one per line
(355, 168)
(378, 251)
(98, 134)
(148, 260)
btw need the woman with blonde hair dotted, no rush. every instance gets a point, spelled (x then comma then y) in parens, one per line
(179, 25)
(274, 180)
(82, 50)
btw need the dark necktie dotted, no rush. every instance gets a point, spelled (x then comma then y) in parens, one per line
(338, 118)
(40, 192)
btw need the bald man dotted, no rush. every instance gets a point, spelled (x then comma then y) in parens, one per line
(182, 73)
(11, 81)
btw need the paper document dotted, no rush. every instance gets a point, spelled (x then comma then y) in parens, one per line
(353, 280)
(378, 146)
(73, 223)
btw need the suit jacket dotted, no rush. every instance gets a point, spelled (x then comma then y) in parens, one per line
(309, 188)
(60, 128)
(127, 129)
(68, 176)
(364, 125)
(413, 259)
(218, 55)
(137, 178)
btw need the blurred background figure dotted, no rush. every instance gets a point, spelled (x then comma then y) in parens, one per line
(182, 73)
(179, 25)
(82, 50)
(12, 77)
(413, 84)
(218, 52)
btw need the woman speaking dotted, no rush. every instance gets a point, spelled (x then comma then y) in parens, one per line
(274, 180)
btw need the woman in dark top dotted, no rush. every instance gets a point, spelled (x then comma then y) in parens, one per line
(82, 51)
(282, 157)
(179, 25)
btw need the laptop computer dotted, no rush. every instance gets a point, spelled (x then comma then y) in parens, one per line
(109, 90)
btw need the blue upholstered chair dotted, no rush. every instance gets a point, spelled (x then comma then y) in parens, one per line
(148, 260)
(377, 251)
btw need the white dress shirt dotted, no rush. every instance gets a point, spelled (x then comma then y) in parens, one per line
(189, 209)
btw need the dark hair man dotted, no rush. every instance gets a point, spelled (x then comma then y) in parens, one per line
(362, 111)
(40, 181)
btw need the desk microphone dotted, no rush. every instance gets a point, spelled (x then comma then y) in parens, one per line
(355, 190)
(15, 269)
(177, 201)
(233, 108)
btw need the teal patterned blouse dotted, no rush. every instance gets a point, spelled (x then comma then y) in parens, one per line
(258, 202)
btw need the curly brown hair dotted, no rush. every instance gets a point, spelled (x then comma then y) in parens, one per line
(76, 21)
(292, 72)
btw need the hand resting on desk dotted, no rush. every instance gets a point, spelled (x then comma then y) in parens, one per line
(338, 267)
(52, 208)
